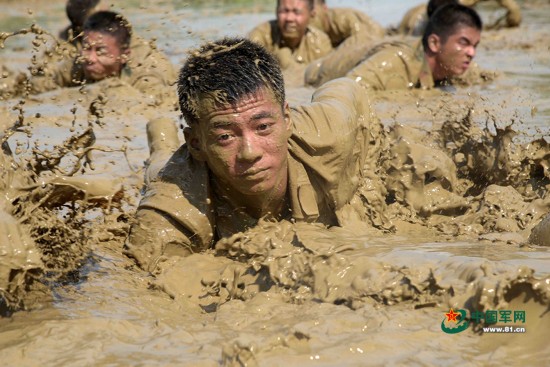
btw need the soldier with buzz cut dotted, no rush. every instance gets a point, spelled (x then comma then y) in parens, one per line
(105, 50)
(248, 156)
(447, 50)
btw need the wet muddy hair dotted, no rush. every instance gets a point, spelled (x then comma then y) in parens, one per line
(446, 20)
(77, 10)
(310, 4)
(433, 5)
(227, 70)
(112, 23)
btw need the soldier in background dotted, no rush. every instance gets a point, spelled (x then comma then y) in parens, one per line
(447, 50)
(291, 37)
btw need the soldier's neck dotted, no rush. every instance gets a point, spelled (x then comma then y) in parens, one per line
(265, 205)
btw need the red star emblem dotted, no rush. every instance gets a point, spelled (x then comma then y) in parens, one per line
(451, 316)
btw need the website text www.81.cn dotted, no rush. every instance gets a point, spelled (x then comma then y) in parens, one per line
(504, 329)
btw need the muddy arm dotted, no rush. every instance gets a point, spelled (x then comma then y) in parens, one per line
(382, 71)
(163, 141)
(337, 63)
(155, 237)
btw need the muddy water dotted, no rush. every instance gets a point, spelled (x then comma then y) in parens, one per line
(286, 294)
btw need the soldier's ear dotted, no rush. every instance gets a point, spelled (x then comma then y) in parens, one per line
(434, 43)
(125, 55)
(193, 144)
(287, 119)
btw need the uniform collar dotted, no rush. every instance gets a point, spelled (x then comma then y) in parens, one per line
(303, 199)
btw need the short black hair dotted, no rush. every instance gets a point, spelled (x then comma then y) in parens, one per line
(433, 5)
(227, 70)
(446, 19)
(112, 23)
(77, 10)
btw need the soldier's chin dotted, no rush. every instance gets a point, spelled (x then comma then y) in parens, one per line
(463, 68)
(90, 75)
(291, 35)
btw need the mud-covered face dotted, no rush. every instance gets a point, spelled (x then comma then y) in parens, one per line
(102, 56)
(453, 57)
(293, 18)
(245, 146)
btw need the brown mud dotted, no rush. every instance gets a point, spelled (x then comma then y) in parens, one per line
(458, 220)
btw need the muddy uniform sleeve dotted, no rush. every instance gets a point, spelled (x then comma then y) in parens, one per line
(154, 237)
(174, 214)
(353, 34)
(337, 136)
(384, 70)
(56, 68)
(149, 70)
(57, 76)
(349, 28)
(336, 64)
(315, 45)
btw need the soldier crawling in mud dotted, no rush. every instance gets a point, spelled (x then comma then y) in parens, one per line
(105, 49)
(248, 156)
(290, 37)
(446, 52)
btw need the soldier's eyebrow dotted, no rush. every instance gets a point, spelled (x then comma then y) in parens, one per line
(262, 115)
(221, 124)
(258, 116)
(468, 41)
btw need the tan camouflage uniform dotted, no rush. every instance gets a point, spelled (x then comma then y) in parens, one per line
(147, 69)
(334, 139)
(353, 33)
(314, 45)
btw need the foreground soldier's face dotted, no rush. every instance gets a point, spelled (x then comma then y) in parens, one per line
(293, 18)
(245, 146)
(457, 52)
(101, 56)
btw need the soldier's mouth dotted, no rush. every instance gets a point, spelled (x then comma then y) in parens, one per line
(254, 174)
(290, 28)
